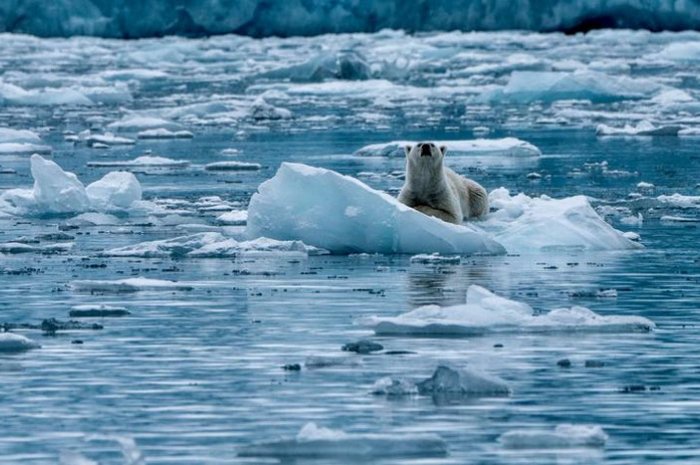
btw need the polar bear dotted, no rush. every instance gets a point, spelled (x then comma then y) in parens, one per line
(434, 189)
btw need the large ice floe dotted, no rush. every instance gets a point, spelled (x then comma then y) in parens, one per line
(342, 215)
(485, 313)
(562, 437)
(58, 192)
(509, 146)
(353, 217)
(210, 245)
(315, 442)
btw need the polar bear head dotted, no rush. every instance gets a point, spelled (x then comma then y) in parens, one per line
(425, 153)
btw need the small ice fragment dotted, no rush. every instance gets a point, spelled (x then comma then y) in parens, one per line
(232, 166)
(13, 343)
(563, 436)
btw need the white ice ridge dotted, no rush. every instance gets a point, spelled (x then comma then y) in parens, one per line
(12, 343)
(129, 285)
(540, 224)
(485, 312)
(143, 161)
(314, 442)
(343, 215)
(58, 192)
(563, 436)
(509, 146)
(210, 245)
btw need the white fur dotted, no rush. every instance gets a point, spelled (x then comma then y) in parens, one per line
(434, 189)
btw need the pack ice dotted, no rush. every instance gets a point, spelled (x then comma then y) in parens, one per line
(58, 192)
(342, 215)
(485, 312)
(317, 442)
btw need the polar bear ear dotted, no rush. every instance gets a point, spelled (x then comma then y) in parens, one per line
(443, 149)
(407, 149)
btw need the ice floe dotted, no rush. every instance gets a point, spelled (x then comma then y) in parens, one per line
(143, 161)
(232, 166)
(531, 224)
(546, 86)
(209, 245)
(58, 192)
(137, 123)
(643, 128)
(509, 146)
(562, 437)
(352, 217)
(314, 442)
(233, 218)
(435, 259)
(162, 133)
(115, 191)
(13, 343)
(485, 312)
(128, 285)
(680, 201)
(18, 141)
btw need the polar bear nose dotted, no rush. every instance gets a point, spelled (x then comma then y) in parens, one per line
(425, 150)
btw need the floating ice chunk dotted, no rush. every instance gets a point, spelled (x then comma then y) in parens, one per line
(16, 248)
(94, 219)
(526, 224)
(509, 146)
(530, 86)
(689, 132)
(129, 285)
(11, 94)
(327, 361)
(679, 219)
(261, 110)
(162, 133)
(436, 259)
(145, 161)
(643, 128)
(19, 136)
(134, 74)
(645, 185)
(232, 166)
(117, 190)
(23, 147)
(286, 207)
(563, 436)
(55, 191)
(680, 201)
(209, 245)
(680, 51)
(135, 123)
(107, 139)
(97, 311)
(485, 312)
(331, 65)
(392, 387)
(471, 383)
(313, 442)
(233, 218)
(13, 343)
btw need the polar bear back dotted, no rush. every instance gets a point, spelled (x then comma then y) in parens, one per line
(473, 198)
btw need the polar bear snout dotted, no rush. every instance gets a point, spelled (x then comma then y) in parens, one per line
(426, 150)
